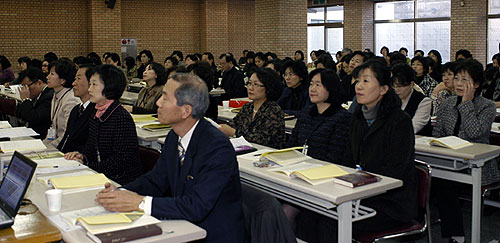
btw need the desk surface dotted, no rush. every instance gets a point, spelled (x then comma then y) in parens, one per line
(173, 230)
(129, 98)
(475, 152)
(30, 226)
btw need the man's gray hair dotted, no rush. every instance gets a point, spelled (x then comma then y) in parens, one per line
(192, 91)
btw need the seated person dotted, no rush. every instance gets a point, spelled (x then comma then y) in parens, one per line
(262, 120)
(112, 146)
(130, 68)
(446, 88)
(77, 129)
(155, 77)
(61, 76)
(348, 82)
(211, 196)
(324, 126)
(295, 96)
(414, 103)
(6, 71)
(232, 79)
(381, 141)
(424, 80)
(36, 98)
(204, 71)
(468, 116)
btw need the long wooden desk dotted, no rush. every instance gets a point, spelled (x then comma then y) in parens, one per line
(227, 116)
(448, 164)
(330, 199)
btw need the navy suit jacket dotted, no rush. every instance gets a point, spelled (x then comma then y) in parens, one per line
(77, 130)
(206, 191)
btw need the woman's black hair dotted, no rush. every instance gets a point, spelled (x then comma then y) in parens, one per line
(403, 74)
(384, 47)
(179, 54)
(174, 60)
(204, 71)
(327, 61)
(148, 54)
(449, 66)
(261, 56)
(391, 100)
(299, 68)
(161, 73)
(25, 59)
(96, 59)
(193, 58)
(475, 69)
(65, 69)
(113, 79)
(36, 63)
(278, 65)
(438, 55)
(403, 49)
(50, 55)
(422, 60)
(301, 54)
(464, 52)
(490, 73)
(331, 82)
(271, 81)
(5, 62)
(129, 62)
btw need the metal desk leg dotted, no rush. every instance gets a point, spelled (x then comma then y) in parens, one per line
(476, 205)
(344, 211)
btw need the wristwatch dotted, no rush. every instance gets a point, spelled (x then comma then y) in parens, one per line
(142, 205)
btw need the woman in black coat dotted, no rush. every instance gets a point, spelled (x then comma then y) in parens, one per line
(112, 147)
(381, 141)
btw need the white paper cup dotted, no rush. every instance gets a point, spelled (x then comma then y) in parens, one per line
(54, 199)
(225, 104)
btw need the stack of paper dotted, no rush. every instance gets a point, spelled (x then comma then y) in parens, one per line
(17, 132)
(143, 118)
(5, 124)
(79, 181)
(22, 145)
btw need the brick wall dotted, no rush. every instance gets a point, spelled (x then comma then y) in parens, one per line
(358, 24)
(105, 27)
(33, 28)
(162, 26)
(241, 26)
(281, 26)
(214, 30)
(468, 28)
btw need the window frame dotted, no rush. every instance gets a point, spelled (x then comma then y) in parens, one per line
(413, 20)
(326, 24)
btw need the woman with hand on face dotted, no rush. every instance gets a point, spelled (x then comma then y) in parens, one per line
(323, 126)
(112, 146)
(295, 96)
(468, 116)
(61, 76)
(380, 141)
(260, 121)
(446, 88)
(155, 77)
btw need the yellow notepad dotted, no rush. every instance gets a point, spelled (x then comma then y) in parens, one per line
(79, 181)
(117, 218)
(322, 172)
(158, 126)
(284, 156)
(143, 118)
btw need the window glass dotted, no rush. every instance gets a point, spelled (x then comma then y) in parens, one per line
(315, 39)
(315, 15)
(493, 38)
(433, 8)
(335, 14)
(334, 39)
(394, 10)
(494, 7)
(394, 36)
(434, 35)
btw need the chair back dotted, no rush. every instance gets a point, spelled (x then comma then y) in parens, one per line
(149, 157)
(424, 183)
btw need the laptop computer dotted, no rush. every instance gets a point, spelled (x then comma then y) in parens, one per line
(14, 186)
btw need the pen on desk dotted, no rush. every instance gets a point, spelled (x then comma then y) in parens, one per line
(55, 166)
(257, 154)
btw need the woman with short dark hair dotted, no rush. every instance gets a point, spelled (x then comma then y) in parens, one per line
(155, 77)
(112, 146)
(262, 120)
(469, 116)
(6, 71)
(424, 80)
(295, 96)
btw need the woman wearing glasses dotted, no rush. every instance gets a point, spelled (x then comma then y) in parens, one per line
(295, 96)
(260, 121)
(469, 116)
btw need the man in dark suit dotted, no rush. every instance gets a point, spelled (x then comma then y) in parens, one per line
(197, 164)
(232, 80)
(36, 97)
(77, 128)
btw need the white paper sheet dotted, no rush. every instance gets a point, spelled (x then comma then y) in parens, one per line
(17, 132)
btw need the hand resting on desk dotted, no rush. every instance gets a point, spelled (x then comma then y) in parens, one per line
(74, 156)
(118, 200)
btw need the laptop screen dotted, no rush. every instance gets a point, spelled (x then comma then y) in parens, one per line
(16, 181)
